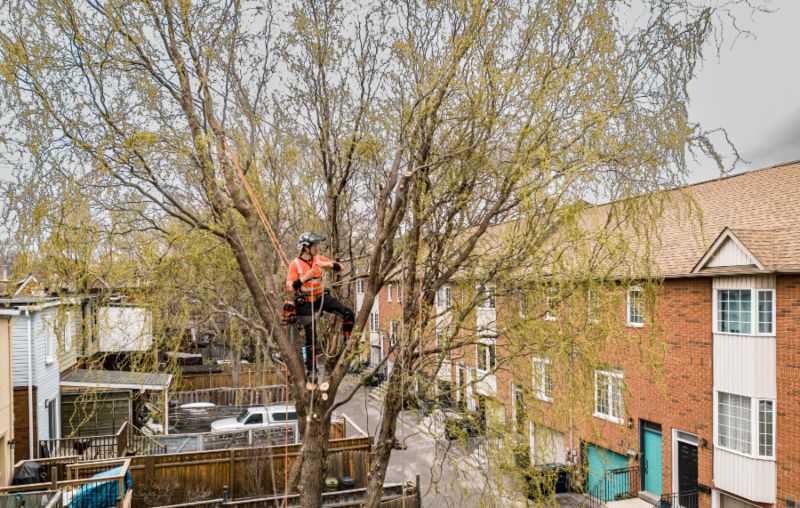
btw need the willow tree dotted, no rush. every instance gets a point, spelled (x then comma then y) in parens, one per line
(403, 130)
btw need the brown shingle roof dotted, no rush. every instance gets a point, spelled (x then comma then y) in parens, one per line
(761, 207)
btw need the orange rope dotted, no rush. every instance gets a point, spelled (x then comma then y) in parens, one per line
(273, 238)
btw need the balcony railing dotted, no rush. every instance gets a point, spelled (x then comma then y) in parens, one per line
(127, 440)
(678, 500)
(622, 483)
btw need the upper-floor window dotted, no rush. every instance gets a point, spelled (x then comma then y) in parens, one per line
(486, 297)
(374, 321)
(550, 301)
(635, 306)
(443, 297)
(393, 332)
(735, 312)
(518, 409)
(608, 398)
(543, 379)
(360, 286)
(487, 356)
(746, 425)
(591, 306)
(50, 344)
(389, 292)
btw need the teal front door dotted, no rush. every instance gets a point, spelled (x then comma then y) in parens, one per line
(651, 458)
(602, 482)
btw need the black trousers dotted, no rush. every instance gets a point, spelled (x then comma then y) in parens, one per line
(327, 304)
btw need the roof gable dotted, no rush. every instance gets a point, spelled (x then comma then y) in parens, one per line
(728, 251)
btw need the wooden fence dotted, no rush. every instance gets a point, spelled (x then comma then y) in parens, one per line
(249, 377)
(227, 396)
(247, 472)
(394, 496)
(79, 481)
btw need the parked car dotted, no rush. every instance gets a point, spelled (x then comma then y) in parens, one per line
(545, 479)
(459, 425)
(254, 417)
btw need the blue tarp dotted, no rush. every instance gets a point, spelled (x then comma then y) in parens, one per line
(101, 494)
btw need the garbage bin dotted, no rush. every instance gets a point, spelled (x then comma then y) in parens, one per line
(331, 484)
(347, 483)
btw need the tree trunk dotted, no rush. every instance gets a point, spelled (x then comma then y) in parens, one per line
(315, 461)
(385, 439)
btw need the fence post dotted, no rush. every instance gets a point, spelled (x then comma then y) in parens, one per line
(54, 478)
(122, 439)
(224, 495)
(232, 473)
(419, 493)
(121, 491)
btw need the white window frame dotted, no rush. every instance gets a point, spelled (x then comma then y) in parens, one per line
(360, 286)
(754, 313)
(393, 326)
(517, 394)
(628, 307)
(755, 437)
(610, 401)
(374, 321)
(68, 331)
(486, 346)
(591, 318)
(389, 292)
(444, 297)
(487, 294)
(550, 301)
(50, 342)
(541, 368)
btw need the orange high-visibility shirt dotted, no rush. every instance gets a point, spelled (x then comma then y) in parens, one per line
(298, 268)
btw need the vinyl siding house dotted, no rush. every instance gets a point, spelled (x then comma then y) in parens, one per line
(44, 344)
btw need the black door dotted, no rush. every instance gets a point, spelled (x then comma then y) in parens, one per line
(687, 467)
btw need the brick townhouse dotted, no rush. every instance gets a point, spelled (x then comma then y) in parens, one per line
(720, 416)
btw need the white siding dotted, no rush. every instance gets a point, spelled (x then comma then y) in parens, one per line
(750, 478)
(745, 365)
(124, 329)
(47, 377)
(19, 346)
(745, 282)
(730, 254)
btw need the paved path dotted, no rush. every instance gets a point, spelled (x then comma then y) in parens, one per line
(451, 475)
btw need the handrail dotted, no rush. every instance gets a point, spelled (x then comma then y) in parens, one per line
(620, 483)
(687, 499)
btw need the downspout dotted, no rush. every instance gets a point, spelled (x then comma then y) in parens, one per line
(30, 386)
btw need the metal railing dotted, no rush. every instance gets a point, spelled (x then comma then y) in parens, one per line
(127, 440)
(678, 500)
(622, 483)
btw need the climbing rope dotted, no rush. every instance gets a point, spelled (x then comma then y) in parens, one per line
(273, 238)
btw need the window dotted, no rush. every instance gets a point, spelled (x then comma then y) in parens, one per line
(487, 356)
(360, 286)
(443, 297)
(738, 429)
(282, 416)
(543, 379)
(389, 292)
(374, 321)
(486, 297)
(735, 312)
(608, 402)
(68, 331)
(635, 307)
(392, 333)
(734, 422)
(766, 308)
(550, 314)
(255, 419)
(591, 306)
(50, 345)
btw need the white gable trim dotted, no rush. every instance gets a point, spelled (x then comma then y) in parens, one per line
(726, 240)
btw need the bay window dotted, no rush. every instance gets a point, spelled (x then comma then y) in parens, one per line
(746, 425)
(737, 314)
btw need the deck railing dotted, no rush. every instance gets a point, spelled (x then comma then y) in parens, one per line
(81, 489)
(127, 440)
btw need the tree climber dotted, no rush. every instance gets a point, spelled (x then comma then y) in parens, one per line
(304, 281)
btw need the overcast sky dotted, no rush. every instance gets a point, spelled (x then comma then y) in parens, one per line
(751, 89)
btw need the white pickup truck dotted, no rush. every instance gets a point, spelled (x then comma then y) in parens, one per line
(255, 417)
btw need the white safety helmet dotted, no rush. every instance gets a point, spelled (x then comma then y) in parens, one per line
(308, 239)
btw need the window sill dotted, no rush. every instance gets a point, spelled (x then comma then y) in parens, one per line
(544, 398)
(745, 334)
(609, 418)
(746, 455)
(635, 325)
(550, 318)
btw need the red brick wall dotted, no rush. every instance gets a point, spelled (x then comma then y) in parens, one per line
(787, 423)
